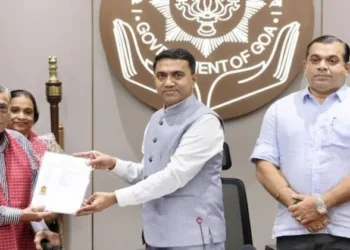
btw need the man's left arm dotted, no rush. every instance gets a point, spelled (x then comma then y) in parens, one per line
(338, 195)
(202, 141)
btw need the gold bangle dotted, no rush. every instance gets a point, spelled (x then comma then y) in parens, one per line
(279, 192)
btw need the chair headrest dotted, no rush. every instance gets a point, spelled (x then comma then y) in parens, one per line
(226, 161)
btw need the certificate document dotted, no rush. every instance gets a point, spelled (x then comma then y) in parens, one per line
(62, 183)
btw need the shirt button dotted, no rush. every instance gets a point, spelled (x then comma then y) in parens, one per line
(150, 159)
(160, 123)
(154, 139)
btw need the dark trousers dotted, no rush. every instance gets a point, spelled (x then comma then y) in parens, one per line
(313, 242)
(212, 246)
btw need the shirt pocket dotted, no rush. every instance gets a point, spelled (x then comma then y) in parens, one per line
(338, 132)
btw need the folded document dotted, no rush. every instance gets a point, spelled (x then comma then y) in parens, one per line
(62, 183)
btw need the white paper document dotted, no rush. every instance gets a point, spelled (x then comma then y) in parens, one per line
(62, 183)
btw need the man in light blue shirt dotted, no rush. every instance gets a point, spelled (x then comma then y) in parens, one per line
(302, 155)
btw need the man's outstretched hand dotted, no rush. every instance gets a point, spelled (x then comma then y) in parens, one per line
(97, 203)
(97, 159)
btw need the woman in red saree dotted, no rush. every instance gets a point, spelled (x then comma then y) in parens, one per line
(24, 114)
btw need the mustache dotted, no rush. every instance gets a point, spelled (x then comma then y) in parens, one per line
(169, 89)
(322, 75)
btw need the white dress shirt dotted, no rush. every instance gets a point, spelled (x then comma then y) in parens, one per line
(202, 141)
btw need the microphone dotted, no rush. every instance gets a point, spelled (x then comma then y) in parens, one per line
(199, 221)
(46, 245)
(247, 247)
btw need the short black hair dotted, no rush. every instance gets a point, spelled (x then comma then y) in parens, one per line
(22, 92)
(330, 39)
(177, 53)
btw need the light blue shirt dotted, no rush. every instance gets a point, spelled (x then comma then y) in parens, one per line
(310, 143)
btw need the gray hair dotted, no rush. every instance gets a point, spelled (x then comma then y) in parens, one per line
(5, 90)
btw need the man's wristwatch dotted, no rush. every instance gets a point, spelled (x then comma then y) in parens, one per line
(321, 207)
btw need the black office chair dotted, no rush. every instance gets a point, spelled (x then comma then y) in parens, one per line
(270, 247)
(238, 229)
(226, 160)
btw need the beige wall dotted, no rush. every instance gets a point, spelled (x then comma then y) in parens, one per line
(99, 113)
(30, 32)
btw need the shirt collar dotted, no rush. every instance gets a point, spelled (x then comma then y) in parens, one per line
(341, 93)
(4, 143)
(173, 106)
(178, 106)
